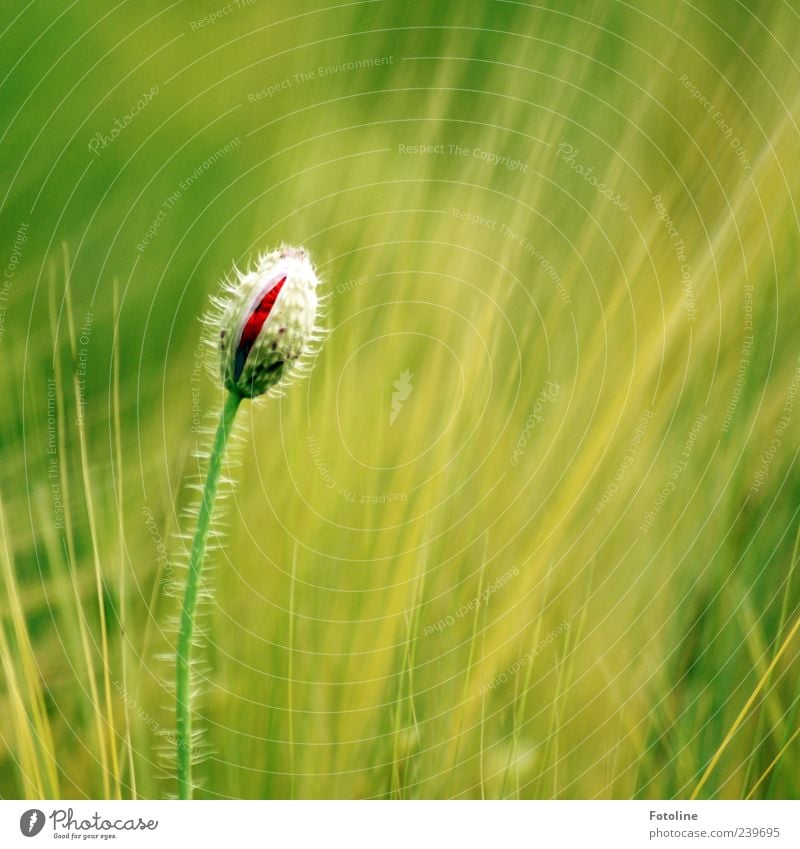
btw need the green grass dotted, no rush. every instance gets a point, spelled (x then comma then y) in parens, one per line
(344, 652)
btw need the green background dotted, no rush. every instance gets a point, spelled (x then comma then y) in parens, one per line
(345, 654)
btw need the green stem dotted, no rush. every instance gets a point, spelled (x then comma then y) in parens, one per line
(183, 714)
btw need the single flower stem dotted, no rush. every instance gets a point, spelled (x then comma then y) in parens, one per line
(183, 713)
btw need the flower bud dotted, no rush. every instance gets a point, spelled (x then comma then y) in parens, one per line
(266, 321)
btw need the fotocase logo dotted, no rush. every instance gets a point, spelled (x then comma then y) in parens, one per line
(31, 822)
(403, 389)
(66, 824)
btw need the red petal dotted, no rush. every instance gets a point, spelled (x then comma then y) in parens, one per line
(252, 327)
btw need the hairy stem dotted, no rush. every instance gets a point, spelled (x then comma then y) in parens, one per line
(183, 713)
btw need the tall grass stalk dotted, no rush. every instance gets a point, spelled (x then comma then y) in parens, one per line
(36, 758)
(119, 491)
(68, 544)
(746, 709)
(93, 535)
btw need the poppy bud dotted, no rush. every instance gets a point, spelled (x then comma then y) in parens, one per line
(266, 321)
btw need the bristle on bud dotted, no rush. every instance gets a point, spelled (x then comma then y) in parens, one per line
(264, 321)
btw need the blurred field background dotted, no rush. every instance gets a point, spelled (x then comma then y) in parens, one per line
(566, 568)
